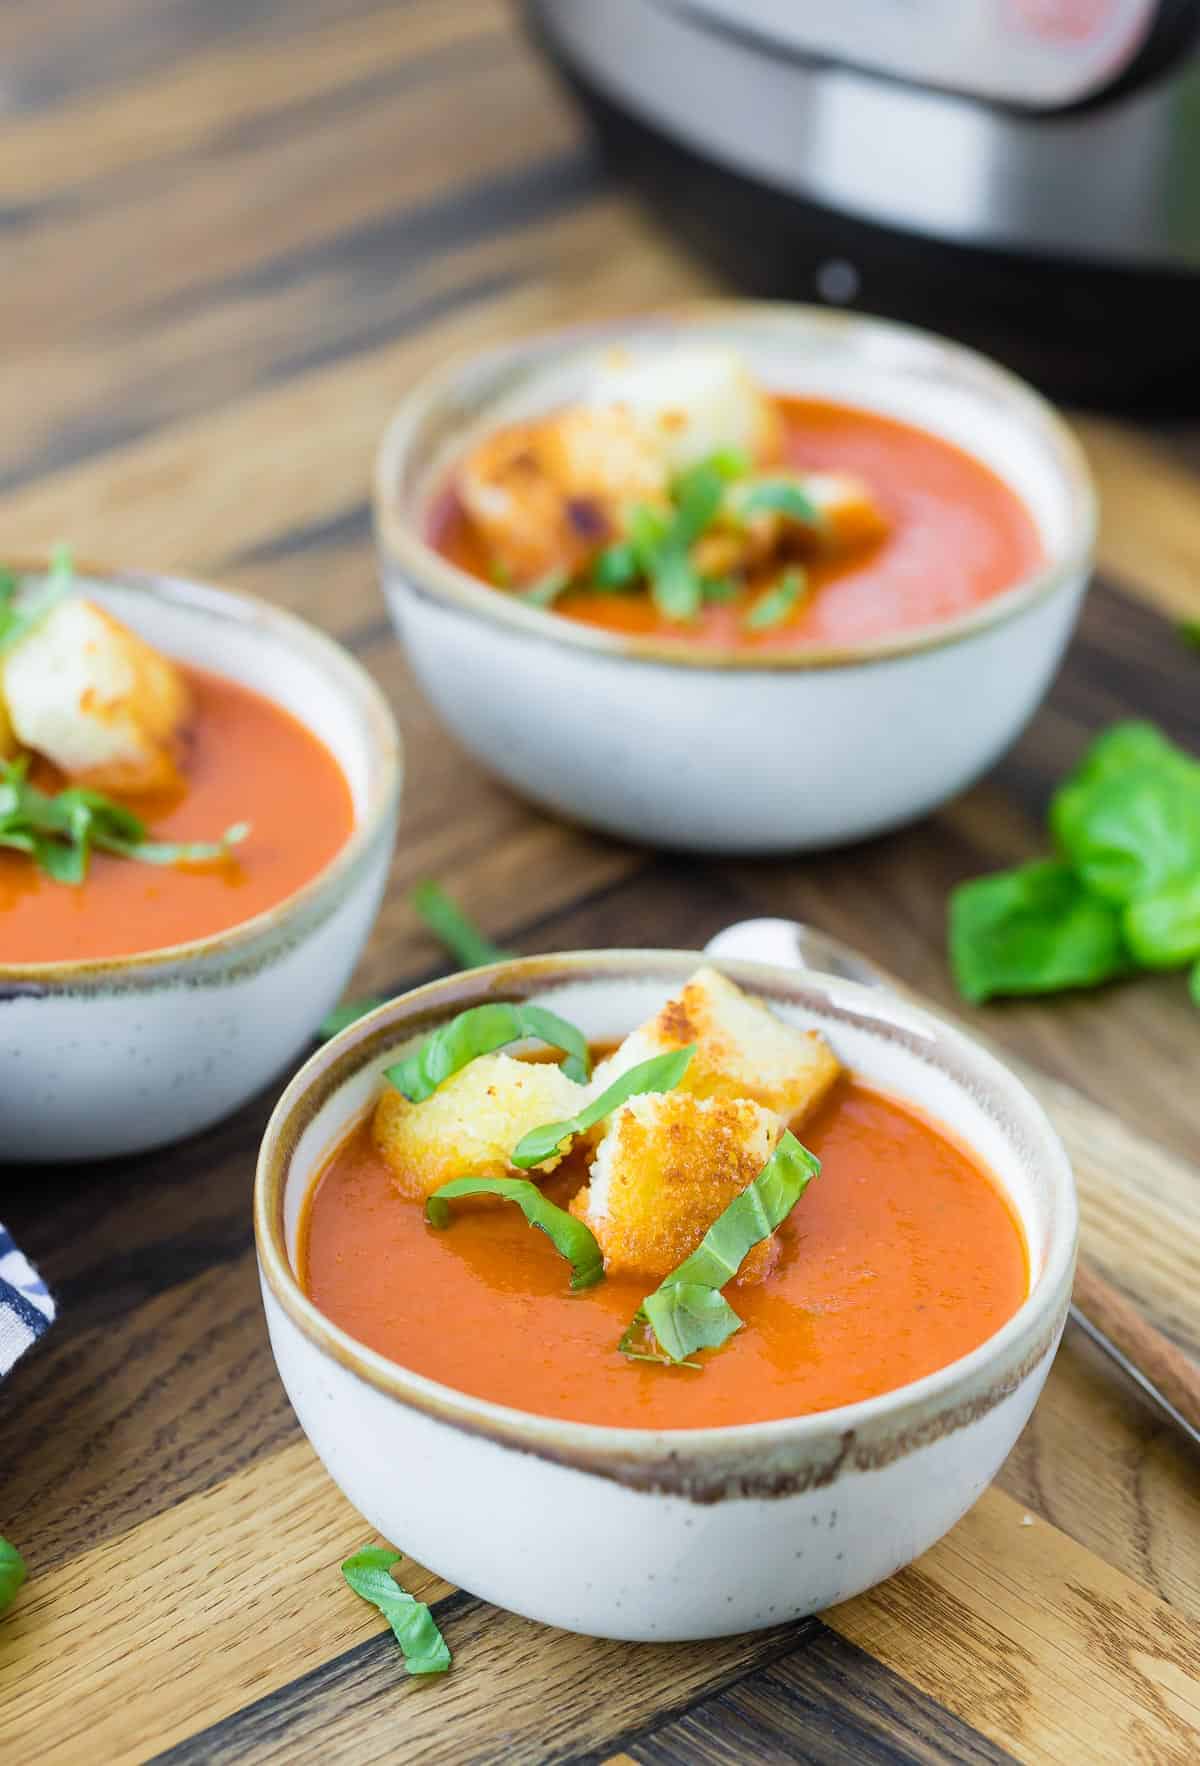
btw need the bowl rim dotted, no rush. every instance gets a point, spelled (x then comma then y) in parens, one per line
(252, 618)
(1033, 1327)
(427, 572)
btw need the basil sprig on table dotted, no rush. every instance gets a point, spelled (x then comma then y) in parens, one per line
(687, 1311)
(369, 1573)
(1124, 892)
(570, 1237)
(19, 615)
(446, 920)
(60, 831)
(659, 1073)
(480, 1030)
(12, 1573)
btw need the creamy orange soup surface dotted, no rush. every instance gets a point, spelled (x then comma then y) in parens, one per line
(244, 759)
(900, 1257)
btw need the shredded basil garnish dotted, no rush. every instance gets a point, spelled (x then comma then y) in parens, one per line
(479, 1031)
(570, 1237)
(12, 1573)
(546, 590)
(369, 1573)
(687, 1311)
(780, 496)
(19, 617)
(446, 920)
(778, 602)
(660, 1073)
(61, 831)
(616, 567)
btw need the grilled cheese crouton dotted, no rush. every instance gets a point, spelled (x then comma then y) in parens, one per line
(691, 403)
(742, 1049)
(96, 699)
(669, 1164)
(546, 495)
(472, 1122)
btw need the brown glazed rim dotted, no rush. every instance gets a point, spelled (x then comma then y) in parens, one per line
(773, 1458)
(249, 618)
(427, 573)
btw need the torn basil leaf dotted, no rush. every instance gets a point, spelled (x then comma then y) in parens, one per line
(480, 1030)
(570, 1237)
(687, 1311)
(779, 496)
(1129, 832)
(369, 1573)
(616, 567)
(12, 1573)
(777, 603)
(1163, 930)
(1035, 929)
(446, 920)
(659, 1073)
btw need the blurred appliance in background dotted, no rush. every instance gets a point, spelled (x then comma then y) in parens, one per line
(1022, 174)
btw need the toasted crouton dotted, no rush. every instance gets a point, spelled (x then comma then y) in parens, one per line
(546, 495)
(669, 1164)
(850, 514)
(472, 1122)
(691, 403)
(96, 699)
(742, 1049)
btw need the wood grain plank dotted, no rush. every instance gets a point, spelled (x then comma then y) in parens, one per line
(1149, 514)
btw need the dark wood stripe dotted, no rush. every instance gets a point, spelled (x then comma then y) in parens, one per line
(542, 1719)
(827, 1704)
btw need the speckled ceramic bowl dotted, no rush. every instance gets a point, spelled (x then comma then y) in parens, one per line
(684, 1533)
(733, 751)
(114, 1056)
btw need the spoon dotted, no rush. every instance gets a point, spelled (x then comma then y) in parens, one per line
(1167, 1377)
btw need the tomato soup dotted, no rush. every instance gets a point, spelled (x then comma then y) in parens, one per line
(900, 1257)
(956, 536)
(245, 759)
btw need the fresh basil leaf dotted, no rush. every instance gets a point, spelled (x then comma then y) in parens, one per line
(570, 1237)
(720, 589)
(1035, 929)
(1163, 930)
(681, 1319)
(1189, 631)
(659, 1073)
(546, 590)
(446, 920)
(779, 496)
(1130, 832)
(676, 588)
(697, 494)
(616, 567)
(778, 603)
(413, 1625)
(19, 617)
(12, 1573)
(1124, 745)
(162, 852)
(648, 531)
(479, 1031)
(343, 1016)
(1194, 985)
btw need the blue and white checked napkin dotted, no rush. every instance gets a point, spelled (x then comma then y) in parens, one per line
(26, 1309)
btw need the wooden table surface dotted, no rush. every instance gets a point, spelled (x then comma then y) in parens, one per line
(231, 236)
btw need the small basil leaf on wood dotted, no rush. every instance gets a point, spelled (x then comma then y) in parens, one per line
(677, 1312)
(1035, 929)
(659, 1073)
(1163, 930)
(1194, 985)
(446, 920)
(778, 602)
(480, 1030)
(346, 1014)
(12, 1573)
(369, 1573)
(570, 1237)
(1189, 631)
(1129, 832)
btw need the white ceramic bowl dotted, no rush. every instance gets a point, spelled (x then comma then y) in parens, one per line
(670, 743)
(125, 1053)
(685, 1533)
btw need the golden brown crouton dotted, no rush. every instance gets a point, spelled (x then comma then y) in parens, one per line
(669, 1164)
(546, 495)
(742, 1049)
(472, 1122)
(96, 700)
